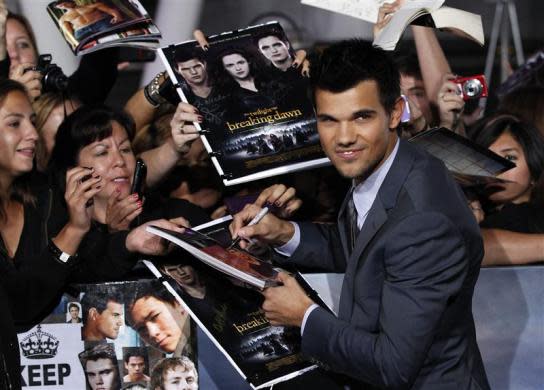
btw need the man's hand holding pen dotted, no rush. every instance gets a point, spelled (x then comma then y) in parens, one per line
(270, 230)
(285, 304)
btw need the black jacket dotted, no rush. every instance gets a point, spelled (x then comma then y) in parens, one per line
(26, 292)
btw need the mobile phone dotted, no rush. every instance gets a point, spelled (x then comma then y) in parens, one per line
(405, 117)
(138, 181)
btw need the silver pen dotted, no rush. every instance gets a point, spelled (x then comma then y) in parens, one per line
(256, 219)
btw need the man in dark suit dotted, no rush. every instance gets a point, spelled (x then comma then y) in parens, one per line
(406, 240)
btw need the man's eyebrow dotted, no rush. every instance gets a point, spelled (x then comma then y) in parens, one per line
(363, 112)
(326, 116)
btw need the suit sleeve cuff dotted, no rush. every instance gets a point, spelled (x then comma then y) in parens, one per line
(291, 246)
(306, 315)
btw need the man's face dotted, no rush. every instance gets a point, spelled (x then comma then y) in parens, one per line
(110, 320)
(74, 312)
(180, 379)
(101, 374)
(135, 367)
(183, 274)
(193, 71)
(159, 323)
(274, 48)
(414, 90)
(354, 128)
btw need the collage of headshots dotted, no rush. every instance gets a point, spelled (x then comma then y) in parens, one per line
(123, 335)
(253, 100)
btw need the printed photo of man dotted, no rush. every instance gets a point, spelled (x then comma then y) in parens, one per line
(81, 21)
(159, 319)
(192, 66)
(102, 315)
(74, 313)
(174, 374)
(135, 362)
(275, 48)
(100, 366)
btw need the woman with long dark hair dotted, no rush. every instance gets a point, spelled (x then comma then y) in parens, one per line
(237, 71)
(27, 292)
(513, 226)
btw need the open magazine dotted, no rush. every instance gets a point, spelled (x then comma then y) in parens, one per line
(258, 119)
(88, 26)
(469, 163)
(429, 13)
(231, 316)
(213, 249)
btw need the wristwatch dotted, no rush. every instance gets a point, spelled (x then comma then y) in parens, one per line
(61, 256)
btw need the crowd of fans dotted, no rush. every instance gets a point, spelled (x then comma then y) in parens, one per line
(66, 164)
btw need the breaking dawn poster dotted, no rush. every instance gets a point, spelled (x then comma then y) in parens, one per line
(258, 120)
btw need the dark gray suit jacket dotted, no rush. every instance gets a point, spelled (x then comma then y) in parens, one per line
(405, 317)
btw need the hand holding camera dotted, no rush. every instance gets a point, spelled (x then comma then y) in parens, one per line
(40, 78)
(25, 74)
(472, 87)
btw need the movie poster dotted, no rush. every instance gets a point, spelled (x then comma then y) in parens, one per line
(111, 336)
(229, 312)
(258, 119)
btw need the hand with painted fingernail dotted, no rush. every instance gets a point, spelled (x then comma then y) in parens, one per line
(121, 212)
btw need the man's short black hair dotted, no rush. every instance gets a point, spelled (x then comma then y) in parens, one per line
(144, 290)
(99, 298)
(99, 351)
(134, 352)
(345, 64)
(184, 54)
(72, 304)
(270, 33)
(408, 65)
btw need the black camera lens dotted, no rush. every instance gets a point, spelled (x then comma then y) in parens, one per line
(473, 88)
(54, 80)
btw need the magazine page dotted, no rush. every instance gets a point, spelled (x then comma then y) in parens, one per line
(232, 317)
(140, 37)
(388, 38)
(366, 10)
(214, 250)
(82, 20)
(470, 163)
(258, 120)
(464, 23)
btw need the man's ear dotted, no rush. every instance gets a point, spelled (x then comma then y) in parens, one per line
(93, 313)
(396, 113)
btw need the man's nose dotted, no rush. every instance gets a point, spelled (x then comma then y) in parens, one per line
(345, 134)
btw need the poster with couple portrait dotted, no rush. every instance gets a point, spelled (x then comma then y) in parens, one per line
(229, 312)
(258, 120)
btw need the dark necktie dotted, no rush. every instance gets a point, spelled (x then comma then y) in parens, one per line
(351, 222)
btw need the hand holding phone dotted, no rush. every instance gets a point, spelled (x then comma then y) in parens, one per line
(138, 181)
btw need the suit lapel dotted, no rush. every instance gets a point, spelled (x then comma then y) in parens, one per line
(374, 221)
(376, 218)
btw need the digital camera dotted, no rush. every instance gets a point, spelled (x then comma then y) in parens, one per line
(54, 80)
(472, 87)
